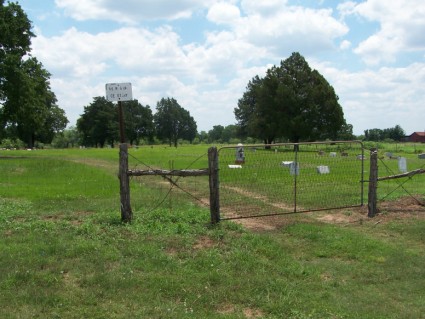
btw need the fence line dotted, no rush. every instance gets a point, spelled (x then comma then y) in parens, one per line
(247, 181)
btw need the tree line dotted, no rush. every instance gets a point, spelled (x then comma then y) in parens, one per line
(395, 133)
(99, 124)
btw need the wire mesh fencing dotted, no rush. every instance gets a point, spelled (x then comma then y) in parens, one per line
(401, 176)
(159, 189)
(264, 180)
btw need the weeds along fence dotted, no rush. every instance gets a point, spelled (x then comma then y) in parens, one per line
(264, 180)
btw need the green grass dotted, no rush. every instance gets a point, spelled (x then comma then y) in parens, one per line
(65, 254)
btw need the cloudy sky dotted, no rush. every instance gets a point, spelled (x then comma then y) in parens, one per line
(203, 53)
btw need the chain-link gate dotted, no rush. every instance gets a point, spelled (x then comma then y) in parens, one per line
(264, 180)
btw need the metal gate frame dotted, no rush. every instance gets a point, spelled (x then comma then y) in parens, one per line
(240, 162)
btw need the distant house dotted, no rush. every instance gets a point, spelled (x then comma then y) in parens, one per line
(416, 137)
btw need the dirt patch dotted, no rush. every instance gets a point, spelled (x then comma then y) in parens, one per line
(404, 208)
(258, 197)
(76, 218)
(257, 224)
(226, 309)
(248, 312)
(252, 313)
(204, 242)
(344, 216)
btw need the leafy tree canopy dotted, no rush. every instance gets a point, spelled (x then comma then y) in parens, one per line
(292, 102)
(98, 125)
(28, 107)
(138, 121)
(173, 122)
(396, 134)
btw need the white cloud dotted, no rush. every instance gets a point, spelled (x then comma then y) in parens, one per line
(129, 11)
(345, 45)
(380, 99)
(74, 53)
(402, 29)
(223, 13)
(283, 29)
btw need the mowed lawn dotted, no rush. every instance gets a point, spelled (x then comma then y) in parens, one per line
(64, 252)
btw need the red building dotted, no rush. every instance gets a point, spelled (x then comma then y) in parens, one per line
(417, 137)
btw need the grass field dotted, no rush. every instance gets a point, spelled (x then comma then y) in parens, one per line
(65, 254)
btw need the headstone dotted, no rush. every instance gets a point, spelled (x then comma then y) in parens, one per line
(294, 168)
(240, 154)
(235, 166)
(332, 154)
(322, 169)
(286, 163)
(421, 156)
(402, 164)
(361, 157)
(389, 154)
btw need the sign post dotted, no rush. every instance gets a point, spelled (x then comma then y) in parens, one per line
(122, 92)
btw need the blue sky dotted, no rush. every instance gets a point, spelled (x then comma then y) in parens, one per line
(203, 53)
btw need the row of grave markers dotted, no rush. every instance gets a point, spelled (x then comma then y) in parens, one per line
(294, 167)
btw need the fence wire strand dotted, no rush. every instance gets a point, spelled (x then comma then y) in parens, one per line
(399, 184)
(173, 183)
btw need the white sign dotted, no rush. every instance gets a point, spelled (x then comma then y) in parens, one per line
(118, 92)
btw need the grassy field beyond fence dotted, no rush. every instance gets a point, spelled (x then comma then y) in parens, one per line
(65, 254)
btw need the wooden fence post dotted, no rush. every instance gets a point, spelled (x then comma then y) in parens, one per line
(373, 183)
(214, 185)
(126, 213)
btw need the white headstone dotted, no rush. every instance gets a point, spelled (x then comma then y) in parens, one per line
(332, 154)
(402, 164)
(323, 169)
(286, 163)
(294, 168)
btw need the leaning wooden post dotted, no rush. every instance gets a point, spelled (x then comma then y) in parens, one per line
(214, 185)
(373, 183)
(126, 213)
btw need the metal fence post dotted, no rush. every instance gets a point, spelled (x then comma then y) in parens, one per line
(214, 185)
(373, 183)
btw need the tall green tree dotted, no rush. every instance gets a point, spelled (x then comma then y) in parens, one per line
(215, 134)
(98, 125)
(28, 108)
(173, 122)
(293, 102)
(30, 111)
(138, 121)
